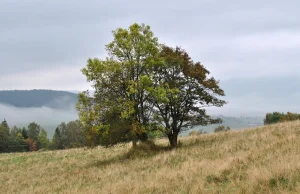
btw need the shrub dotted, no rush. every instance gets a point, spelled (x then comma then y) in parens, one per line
(221, 128)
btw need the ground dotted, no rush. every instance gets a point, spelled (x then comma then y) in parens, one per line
(260, 160)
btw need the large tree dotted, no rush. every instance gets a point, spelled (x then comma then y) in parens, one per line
(144, 86)
(181, 92)
(120, 83)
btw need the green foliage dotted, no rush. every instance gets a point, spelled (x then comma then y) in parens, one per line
(43, 140)
(155, 134)
(24, 133)
(274, 117)
(4, 136)
(120, 83)
(181, 91)
(277, 117)
(22, 139)
(16, 143)
(68, 135)
(75, 134)
(148, 87)
(15, 131)
(221, 128)
(57, 142)
(34, 131)
(4, 124)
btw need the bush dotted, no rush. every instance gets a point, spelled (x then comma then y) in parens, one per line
(221, 128)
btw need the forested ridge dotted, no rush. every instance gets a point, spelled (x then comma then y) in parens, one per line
(37, 98)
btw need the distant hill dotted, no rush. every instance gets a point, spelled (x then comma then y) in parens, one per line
(38, 98)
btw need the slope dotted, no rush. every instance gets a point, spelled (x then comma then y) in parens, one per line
(260, 160)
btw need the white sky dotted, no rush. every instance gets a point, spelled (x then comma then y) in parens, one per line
(44, 44)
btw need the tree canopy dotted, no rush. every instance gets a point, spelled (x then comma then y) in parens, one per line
(181, 90)
(144, 86)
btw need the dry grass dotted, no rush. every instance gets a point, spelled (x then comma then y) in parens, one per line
(261, 160)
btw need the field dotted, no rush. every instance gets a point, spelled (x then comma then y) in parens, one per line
(260, 160)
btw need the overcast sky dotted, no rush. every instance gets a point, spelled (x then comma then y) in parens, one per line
(44, 44)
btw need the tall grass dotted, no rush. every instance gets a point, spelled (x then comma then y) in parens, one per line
(260, 160)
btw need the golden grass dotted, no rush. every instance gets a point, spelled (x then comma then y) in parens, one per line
(260, 160)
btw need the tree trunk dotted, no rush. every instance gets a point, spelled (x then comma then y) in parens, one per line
(173, 139)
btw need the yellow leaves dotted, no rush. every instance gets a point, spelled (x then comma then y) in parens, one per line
(132, 88)
(128, 109)
(95, 129)
(20, 135)
(136, 128)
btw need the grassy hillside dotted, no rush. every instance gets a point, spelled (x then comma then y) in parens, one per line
(260, 160)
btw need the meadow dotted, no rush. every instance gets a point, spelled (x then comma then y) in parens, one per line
(259, 160)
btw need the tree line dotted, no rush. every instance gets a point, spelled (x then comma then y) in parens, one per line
(278, 117)
(34, 137)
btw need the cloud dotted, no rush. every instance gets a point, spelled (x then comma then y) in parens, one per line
(63, 78)
(45, 44)
(48, 118)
